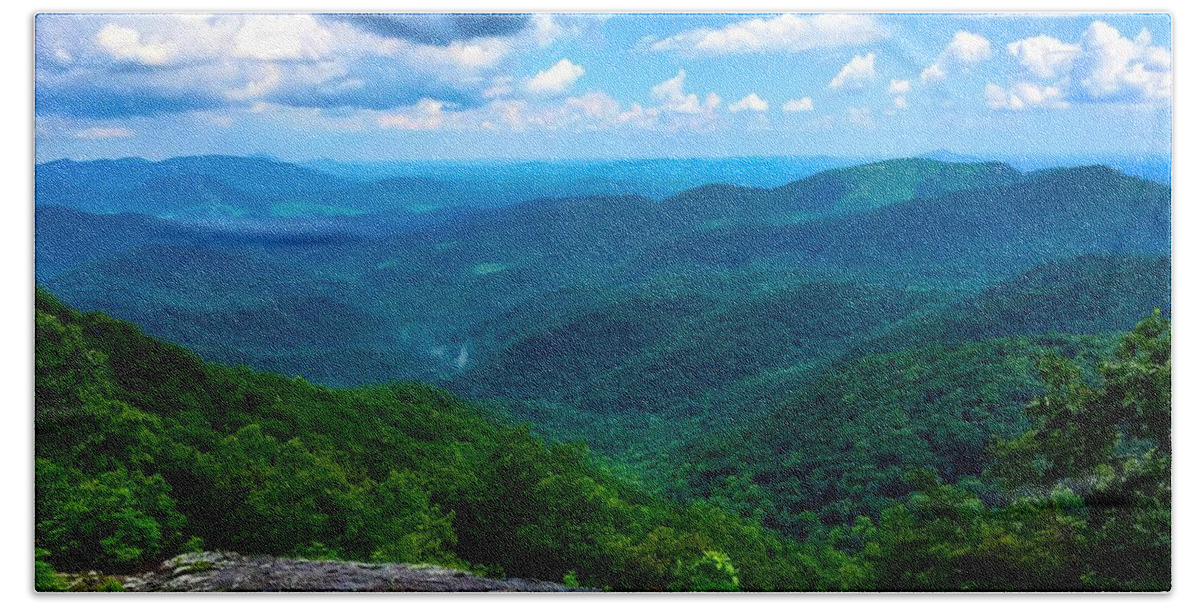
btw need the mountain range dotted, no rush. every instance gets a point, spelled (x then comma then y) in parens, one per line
(699, 327)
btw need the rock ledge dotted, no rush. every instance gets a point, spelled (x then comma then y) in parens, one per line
(225, 571)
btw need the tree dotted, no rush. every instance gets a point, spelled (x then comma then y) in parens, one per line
(1112, 444)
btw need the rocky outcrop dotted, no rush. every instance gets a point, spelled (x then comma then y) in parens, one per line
(224, 571)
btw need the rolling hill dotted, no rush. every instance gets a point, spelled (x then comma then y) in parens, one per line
(812, 358)
(194, 186)
(972, 234)
(835, 192)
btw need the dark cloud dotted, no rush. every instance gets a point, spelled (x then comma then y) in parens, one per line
(439, 30)
(373, 98)
(374, 84)
(104, 94)
(75, 79)
(95, 102)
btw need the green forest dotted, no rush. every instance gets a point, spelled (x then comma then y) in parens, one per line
(144, 451)
(675, 302)
(909, 374)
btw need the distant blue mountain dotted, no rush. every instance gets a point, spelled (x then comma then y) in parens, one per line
(513, 181)
(1048, 214)
(193, 186)
(835, 191)
(426, 281)
(1153, 167)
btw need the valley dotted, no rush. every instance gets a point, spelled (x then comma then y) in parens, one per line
(787, 354)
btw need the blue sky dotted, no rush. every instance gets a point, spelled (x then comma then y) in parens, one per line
(600, 86)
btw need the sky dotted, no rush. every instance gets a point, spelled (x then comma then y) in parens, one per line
(576, 86)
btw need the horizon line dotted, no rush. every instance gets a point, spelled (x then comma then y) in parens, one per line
(971, 156)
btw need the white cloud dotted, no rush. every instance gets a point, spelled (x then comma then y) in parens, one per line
(964, 50)
(520, 114)
(1113, 67)
(594, 110)
(783, 33)
(804, 104)
(856, 74)
(510, 112)
(899, 87)
(1044, 56)
(547, 28)
(675, 109)
(967, 47)
(257, 88)
(1023, 95)
(459, 59)
(712, 101)
(426, 115)
(104, 133)
(933, 73)
(501, 86)
(669, 94)
(196, 62)
(751, 102)
(1103, 66)
(639, 116)
(555, 79)
(595, 104)
(899, 102)
(126, 44)
(282, 37)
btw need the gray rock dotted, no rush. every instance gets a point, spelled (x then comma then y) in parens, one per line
(225, 571)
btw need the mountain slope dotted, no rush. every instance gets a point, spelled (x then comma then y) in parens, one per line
(972, 234)
(228, 185)
(835, 192)
(65, 238)
(839, 447)
(554, 345)
(662, 355)
(424, 302)
(1093, 294)
(141, 445)
(188, 195)
(261, 177)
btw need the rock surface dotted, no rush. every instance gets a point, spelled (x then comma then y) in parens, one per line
(224, 571)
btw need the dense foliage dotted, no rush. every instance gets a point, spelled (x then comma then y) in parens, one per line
(143, 450)
(901, 375)
(257, 292)
(841, 446)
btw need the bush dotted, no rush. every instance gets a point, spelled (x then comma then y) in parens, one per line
(712, 571)
(117, 520)
(44, 576)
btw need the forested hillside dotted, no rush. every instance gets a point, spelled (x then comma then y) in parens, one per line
(910, 374)
(143, 450)
(431, 296)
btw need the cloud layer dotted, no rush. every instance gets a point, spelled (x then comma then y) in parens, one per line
(107, 66)
(555, 79)
(113, 81)
(964, 50)
(1023, 95)
(785, 33)
(804, 104)
(1103, 66)
(749, 103)
(856, 74)
(438, 30)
